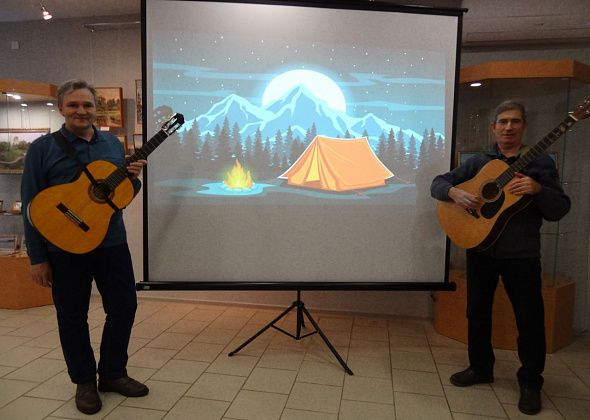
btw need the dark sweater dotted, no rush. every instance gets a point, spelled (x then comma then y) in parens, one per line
(521, 237)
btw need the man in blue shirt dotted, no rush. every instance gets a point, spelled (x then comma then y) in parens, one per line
(70, 275)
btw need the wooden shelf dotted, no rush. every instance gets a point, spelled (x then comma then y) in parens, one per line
(525, 69)
(450, 310)
(18, 290)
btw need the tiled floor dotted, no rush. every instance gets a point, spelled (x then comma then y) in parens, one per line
(401, 369)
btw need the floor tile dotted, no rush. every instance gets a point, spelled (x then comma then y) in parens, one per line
(202, 352)
(373, 367)
(417, 361)
(239, 364)
(421, 407)
(321, 373)
(185, 371)
(162, 396)
(368, 389)
(216, 335)
(271, 380)
(281, 359)
(571, 408)
(355, 410)
(59, 387)
(314, 397)
(566, 386)
(216, 387)
(417, 382)
(12, 389)
(133, 413)
(29, 408)
(254, 405)
(292, 414)
(38, 370)
(408, 343)
(170, 340)
(151, 357)
(21, 355)
(188, 408)
(474, 401)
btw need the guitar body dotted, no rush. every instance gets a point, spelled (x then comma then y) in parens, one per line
(480, 229)
(72, 216)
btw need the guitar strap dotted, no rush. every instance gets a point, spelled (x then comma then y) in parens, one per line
(70, 152)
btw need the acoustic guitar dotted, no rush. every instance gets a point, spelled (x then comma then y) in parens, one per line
(480, 228)
(75, 216)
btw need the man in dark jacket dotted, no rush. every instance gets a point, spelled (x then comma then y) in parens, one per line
(515, 256)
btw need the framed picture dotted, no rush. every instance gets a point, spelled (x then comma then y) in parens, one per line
(109, 107)
(14, 144)
(1, 206)
(8, 244)
(138, 107)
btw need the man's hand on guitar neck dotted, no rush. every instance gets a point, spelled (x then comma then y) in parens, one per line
(41, 274)
(464, 198)
(523, 185)
(134, 168)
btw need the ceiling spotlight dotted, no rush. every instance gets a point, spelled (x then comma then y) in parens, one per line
(475, 84)
(45, 13)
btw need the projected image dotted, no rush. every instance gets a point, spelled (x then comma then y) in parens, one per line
(312, 134)
(273, 114)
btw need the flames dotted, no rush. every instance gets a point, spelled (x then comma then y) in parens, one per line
(237, 178)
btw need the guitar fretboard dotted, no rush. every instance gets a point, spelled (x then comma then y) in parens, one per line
(535, 151)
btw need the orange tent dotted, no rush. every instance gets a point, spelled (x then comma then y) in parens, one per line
(337, 165)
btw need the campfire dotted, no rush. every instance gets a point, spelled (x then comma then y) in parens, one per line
(237, 179)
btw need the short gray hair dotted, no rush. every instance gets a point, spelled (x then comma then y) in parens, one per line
(72, 85)
(510, 105)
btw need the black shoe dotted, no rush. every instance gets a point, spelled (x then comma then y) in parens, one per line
(87, 399)
(125, 386)
(530, 401)
(470, 377)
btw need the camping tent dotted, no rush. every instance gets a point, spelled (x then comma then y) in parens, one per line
(337, 165)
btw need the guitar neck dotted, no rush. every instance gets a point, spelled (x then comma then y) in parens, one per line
(535, 151)
(120, 174)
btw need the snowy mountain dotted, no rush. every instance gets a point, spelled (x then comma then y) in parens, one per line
(298, 109)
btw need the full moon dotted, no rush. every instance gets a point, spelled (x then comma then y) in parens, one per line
(318, 84)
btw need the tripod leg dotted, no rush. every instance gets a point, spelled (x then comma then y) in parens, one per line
(321, 333)
(270, 324)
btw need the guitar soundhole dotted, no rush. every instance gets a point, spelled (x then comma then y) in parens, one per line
(490, 191)
(101, 191)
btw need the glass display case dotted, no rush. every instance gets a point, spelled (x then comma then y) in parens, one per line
(27, 111)
(549, 90)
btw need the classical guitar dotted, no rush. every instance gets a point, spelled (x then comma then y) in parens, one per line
(479, 228)
(75, 216)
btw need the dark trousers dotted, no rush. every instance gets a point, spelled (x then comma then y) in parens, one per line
(522, 282)
(112, 270)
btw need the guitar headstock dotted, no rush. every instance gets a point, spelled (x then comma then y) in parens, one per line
(173, 123)
(582, 110)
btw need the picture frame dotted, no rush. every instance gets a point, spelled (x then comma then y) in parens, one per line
(8, 244)
(14, 143)
(1, 206)
(138, 106)
(109, 107)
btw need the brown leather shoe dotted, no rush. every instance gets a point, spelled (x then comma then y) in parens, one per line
(125, 386)
(87, 399)
(470, 377)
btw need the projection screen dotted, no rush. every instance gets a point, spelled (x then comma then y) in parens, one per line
(312, 133)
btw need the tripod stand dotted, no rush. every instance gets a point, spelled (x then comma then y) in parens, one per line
(301, 310)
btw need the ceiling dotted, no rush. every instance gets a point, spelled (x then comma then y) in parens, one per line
(487, 22)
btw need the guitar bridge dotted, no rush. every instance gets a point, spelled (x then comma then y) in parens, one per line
(72, 216)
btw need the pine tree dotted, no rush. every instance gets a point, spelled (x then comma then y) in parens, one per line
(279, 146)
(223, 150)
(236, 137)
(382, 148)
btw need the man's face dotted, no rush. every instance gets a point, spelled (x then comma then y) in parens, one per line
(508, 129)
(79, 110)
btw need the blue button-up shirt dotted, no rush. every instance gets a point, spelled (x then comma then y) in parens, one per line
(46, 165)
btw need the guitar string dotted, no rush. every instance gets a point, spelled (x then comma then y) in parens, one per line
(534, 152)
